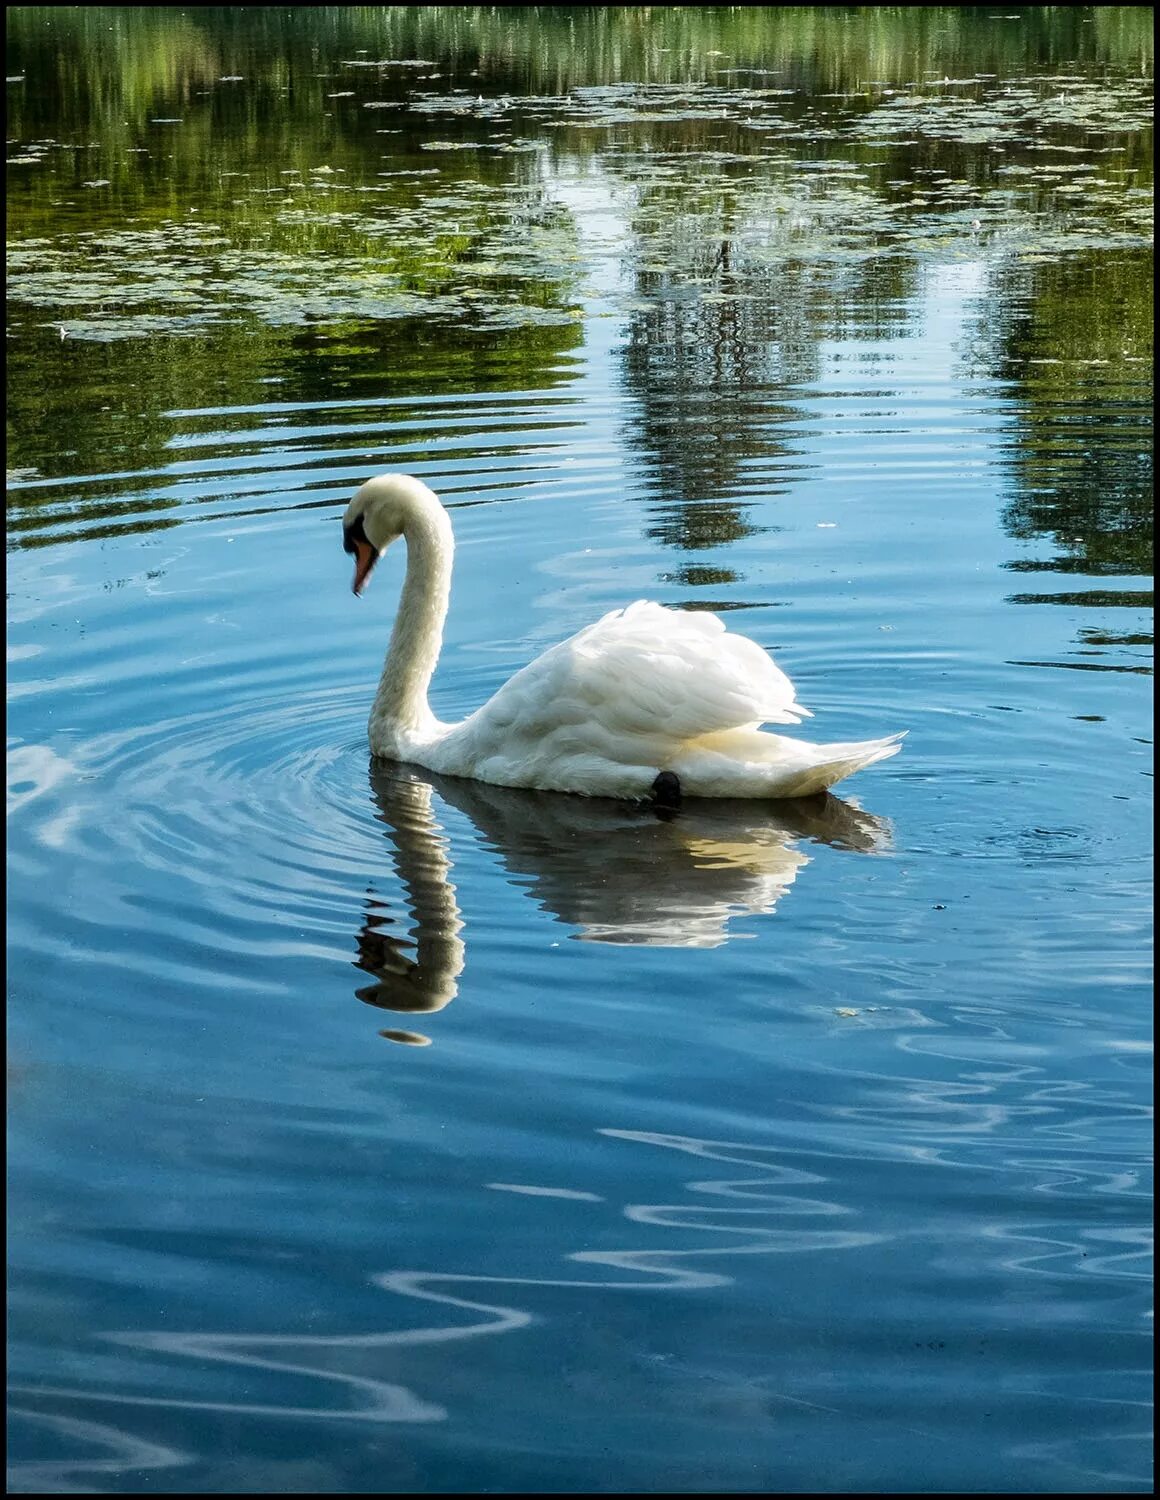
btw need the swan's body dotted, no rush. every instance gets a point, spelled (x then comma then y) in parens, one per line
(644, 690)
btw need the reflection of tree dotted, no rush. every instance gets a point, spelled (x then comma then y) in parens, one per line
(685, 360)
(128, 390)
(307, 205)
(92, 68)
(1078, 358)
(416, 358)
(552, 48)
(139, 394)
(100, 71)
(729, 322)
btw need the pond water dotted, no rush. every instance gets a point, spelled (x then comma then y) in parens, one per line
(372, 1132)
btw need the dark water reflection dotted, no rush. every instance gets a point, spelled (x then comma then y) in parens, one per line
(1084, 461)
(741, 1161)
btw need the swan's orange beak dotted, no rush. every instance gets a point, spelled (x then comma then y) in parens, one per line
(365, 558)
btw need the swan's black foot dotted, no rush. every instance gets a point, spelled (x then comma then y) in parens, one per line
(666, 790)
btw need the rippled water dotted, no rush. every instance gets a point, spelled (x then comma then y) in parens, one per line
(377, 1132)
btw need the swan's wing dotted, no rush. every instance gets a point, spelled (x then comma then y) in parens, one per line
(648, 670)
(681, 670)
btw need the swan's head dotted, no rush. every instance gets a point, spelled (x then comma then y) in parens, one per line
(377, 516)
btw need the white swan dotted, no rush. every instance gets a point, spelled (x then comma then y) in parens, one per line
(647, 701)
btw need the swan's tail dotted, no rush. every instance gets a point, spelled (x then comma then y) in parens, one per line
(828, 764)
(756, 763)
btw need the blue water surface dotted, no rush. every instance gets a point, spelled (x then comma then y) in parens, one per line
(376, 1133)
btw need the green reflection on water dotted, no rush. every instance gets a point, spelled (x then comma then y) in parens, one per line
(384, 199)
(1079, 359)
(140, 54)
(174, 170)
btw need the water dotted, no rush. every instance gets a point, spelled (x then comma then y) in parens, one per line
(371, 1132)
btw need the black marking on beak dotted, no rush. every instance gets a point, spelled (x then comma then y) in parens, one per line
(353, 534)
(358, 545)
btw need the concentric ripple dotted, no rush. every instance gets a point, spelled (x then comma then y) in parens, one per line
(916, 1016)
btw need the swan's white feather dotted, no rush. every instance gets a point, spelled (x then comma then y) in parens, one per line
(650, 670)
(642, 690)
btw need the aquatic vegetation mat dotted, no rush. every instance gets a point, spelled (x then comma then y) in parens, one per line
(460, 208)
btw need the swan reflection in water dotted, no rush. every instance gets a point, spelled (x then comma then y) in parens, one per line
(614, 871)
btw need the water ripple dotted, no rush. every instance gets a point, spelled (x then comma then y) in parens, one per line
(758, 1228)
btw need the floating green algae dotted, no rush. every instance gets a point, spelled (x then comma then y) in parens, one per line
(396, 188)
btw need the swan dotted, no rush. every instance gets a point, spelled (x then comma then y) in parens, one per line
(647, 702)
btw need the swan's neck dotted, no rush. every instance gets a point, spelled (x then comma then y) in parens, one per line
(400, 704)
